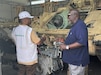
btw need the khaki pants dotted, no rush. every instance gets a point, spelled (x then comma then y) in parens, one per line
(26, 69)
(76, 70)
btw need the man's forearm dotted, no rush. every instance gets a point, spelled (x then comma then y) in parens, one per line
(74, 45)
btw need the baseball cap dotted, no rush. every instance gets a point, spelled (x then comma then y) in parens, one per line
(25, 14)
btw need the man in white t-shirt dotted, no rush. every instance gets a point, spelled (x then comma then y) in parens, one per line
(26, 41)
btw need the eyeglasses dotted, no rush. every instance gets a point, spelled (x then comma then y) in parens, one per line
(69, 15)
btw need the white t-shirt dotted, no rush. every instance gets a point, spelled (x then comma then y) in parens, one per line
(25, 48)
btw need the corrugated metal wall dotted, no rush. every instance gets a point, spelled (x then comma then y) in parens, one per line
(8, 10)
(38, 9)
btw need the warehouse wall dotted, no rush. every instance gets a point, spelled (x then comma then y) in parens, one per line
(38, 9)
(6, 12)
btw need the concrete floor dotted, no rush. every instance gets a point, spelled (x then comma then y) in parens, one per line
(8, 70)
(94, 68)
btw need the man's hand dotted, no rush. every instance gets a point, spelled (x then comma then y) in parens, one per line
(60, 39)
(62, 46)
(43, 39)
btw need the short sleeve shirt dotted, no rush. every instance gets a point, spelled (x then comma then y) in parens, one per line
(80, 55)
(34, 37)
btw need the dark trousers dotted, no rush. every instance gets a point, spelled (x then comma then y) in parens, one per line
(26, 69)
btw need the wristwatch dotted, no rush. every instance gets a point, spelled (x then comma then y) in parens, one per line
(67, 47)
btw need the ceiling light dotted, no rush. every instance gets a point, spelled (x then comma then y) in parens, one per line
(43, 1)
(37, 2)
(56, 0)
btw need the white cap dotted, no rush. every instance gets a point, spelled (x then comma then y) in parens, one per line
(25, 14)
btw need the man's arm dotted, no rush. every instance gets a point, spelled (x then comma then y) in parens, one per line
(36, 39)
(70, 46)
(41, 40)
